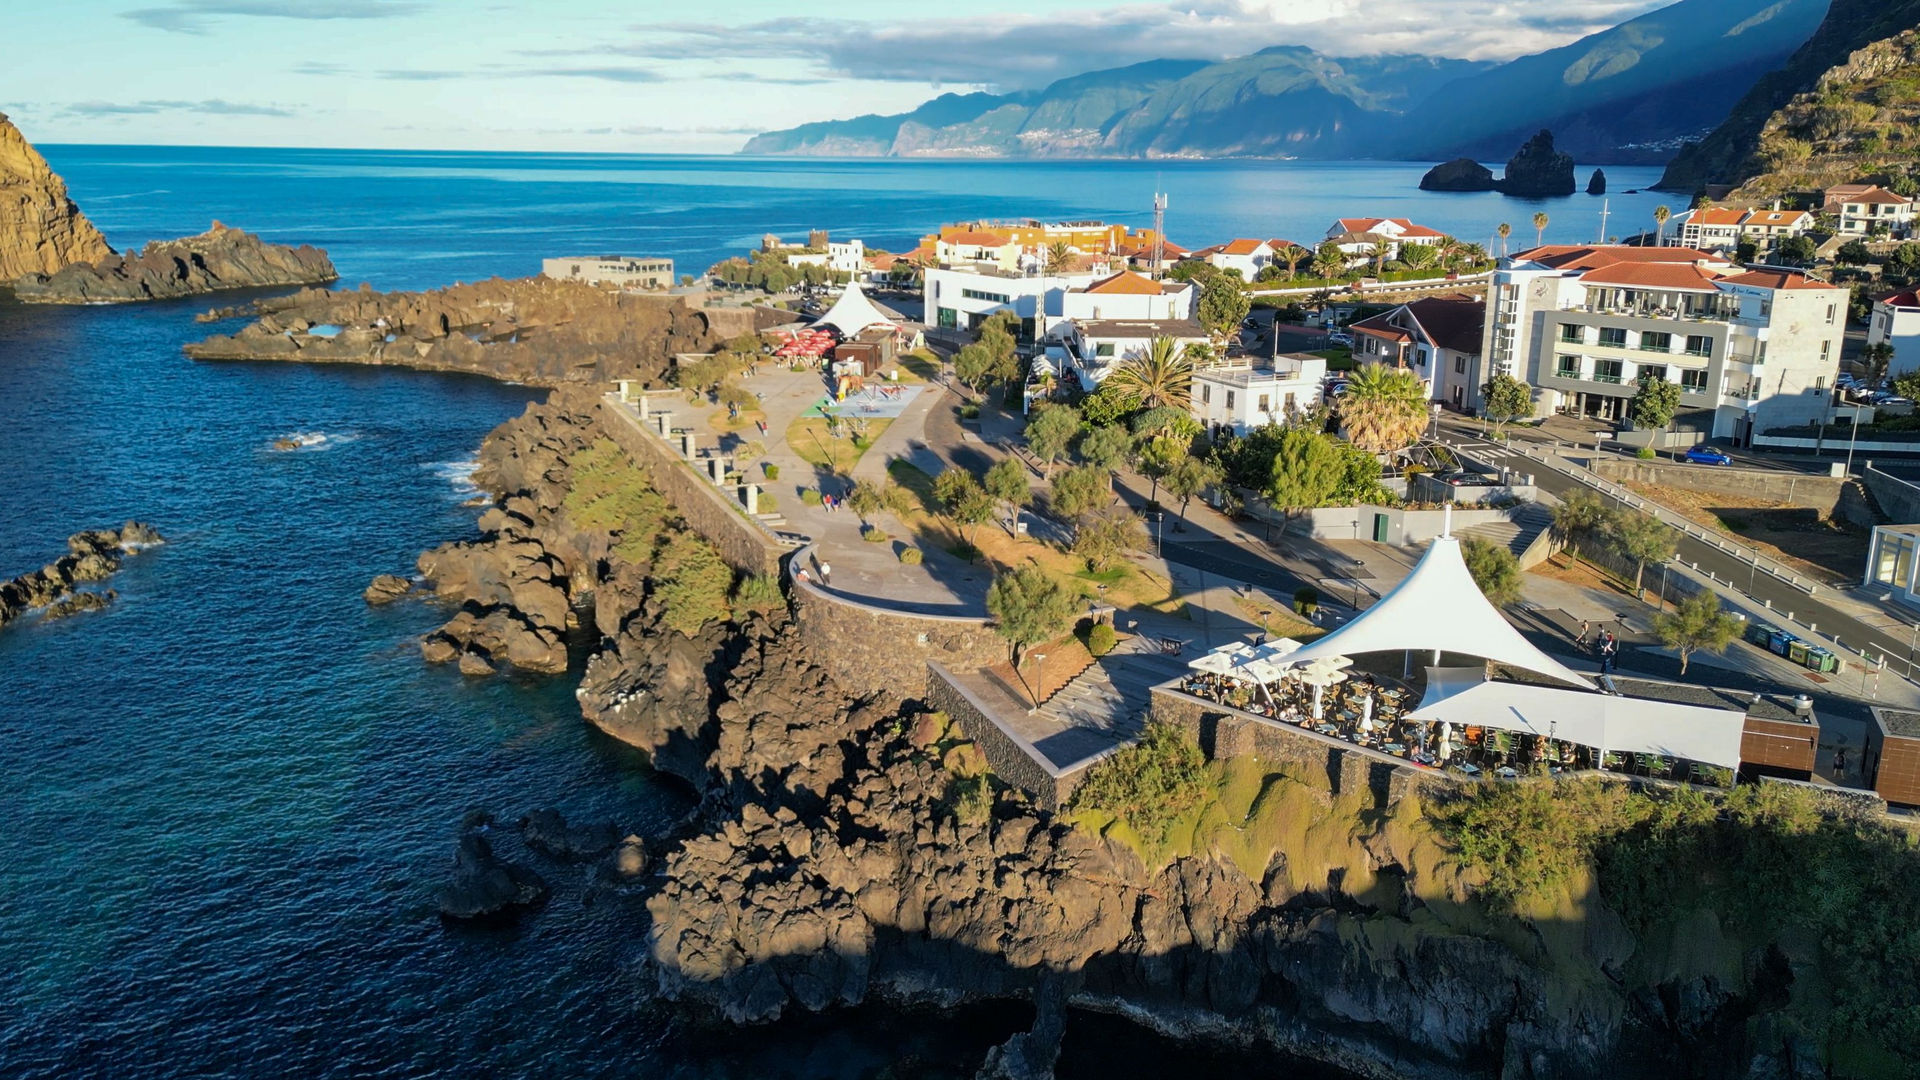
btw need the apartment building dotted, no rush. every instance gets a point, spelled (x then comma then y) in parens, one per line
(1721, 230)
(1896, 322)
(1864, 211)
(962, 297)
(624, 271)
(1090, 349)
(1750, 350)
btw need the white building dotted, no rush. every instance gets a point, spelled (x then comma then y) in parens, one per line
(1127, 295)
(1438, 338)
(1359, 236)
(961, 299)
(1721, 229)
(1896, 321)
(847, 258)
(621, 270)
(1249, 257)
(1090, 349)
(1749, 350)
(1861, 212)
(1248, 398)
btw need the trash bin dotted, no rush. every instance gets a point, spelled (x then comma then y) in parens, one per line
(1798, 651)
(1821, 660)
(1779, 641)
(1760, 633)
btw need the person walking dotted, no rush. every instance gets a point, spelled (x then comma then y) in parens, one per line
(1585, 628)
(1607, 649)
(826, 573)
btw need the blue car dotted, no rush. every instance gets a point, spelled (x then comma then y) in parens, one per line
(1706, 455)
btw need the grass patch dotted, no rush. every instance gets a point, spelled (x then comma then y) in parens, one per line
(914, 479)
(1337, 359)
(749, 419)
(919, 365)
(808, 437)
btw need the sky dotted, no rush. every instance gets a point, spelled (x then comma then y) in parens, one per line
(645, 76)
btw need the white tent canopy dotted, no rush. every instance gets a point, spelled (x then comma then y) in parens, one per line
(1602, 721)
(1438, 607)
(852, 313)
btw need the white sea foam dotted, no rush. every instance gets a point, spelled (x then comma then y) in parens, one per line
(313, 440)
(459, 474)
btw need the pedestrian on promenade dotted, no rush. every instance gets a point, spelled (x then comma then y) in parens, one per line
(1840, 762)
(1585, 628)
(826, 573)
(1607, 649)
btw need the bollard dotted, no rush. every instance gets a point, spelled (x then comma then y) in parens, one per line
(716, 468)
(752, 493)
(660, 421)
(643, 406)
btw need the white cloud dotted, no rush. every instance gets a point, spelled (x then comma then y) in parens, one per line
(194, 16)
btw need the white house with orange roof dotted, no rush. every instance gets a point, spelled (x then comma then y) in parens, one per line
(1721, 229)
(1127, 295)
(1249, 257)
(1359, 236)
(1749, 350)
(979, 247)
(1876, 207)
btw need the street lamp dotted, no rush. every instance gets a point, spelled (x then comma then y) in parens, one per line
(1264, 612)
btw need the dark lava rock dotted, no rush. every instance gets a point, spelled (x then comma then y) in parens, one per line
(220, 258)
(1539, 170)
(1460, 174)
(547, 831)
(387, 588)
(92, 555)
(484, 884)
(79, 602)
(1597, 185)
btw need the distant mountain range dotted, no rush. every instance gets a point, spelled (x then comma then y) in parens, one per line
(1631, 93)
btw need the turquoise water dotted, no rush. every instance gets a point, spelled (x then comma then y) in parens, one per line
(234, 792)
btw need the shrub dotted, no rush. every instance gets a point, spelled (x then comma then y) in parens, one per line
(970, 798)
(1645, 453)
(692, 583)
(811, 497)
(969, 412)
(875, 536)
(911, 556)
(1306, 600)
(772, 470)
(758, 592)
(1101, 639)
(1149, 784)
(768, 504)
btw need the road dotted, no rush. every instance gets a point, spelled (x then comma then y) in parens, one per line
(1849, 630)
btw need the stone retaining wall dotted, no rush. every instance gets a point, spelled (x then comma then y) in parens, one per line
(875, 650)
(1225, 733)
(743, 543)
(1006, 753)
(1834, 497)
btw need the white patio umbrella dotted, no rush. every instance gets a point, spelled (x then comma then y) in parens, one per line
(1366, 712)
(1321, 674)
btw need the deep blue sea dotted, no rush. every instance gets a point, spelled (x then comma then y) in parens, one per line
(233, 793)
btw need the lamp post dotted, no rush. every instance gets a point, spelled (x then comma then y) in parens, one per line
(1853, 438)
(1264, 612)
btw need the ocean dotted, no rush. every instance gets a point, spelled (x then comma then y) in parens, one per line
(238, 787)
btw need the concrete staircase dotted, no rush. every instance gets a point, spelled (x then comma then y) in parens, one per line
(1517, 533)
(1113, 694)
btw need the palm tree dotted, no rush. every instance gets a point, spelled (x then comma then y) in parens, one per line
(1540, 228)
(1059, 256)
(1505, 230)
(1329, 265)
(1418, 256)
(1293, 255)
(1162, 375)
(1379, 253)
(1879, 357)
(1384, 408)
(1660, 215)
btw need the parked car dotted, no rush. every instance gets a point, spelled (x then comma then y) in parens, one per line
(1341, 337)
(1707, 455)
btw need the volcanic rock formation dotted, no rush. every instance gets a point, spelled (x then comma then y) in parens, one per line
(41, 230)
(220, 258)
(1539, 170)
(93, 555)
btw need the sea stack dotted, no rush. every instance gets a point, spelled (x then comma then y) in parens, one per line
(41, 230)
(1597, 185)
(1539, 170)
(1460, 174)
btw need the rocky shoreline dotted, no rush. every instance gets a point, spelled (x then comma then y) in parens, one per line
(217, 260)
(536, 331)
(92, 556)
(843, 854)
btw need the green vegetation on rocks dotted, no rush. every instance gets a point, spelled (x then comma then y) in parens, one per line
(610, 494)
(692, 583)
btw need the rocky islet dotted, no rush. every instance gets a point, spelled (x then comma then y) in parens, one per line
(92, 556)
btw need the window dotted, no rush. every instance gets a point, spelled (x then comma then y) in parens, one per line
(1459, 365)
(1568, 368)
(1613, 337)
(1291, 404)
(1266, 403)
(1766, 309)
(949, 319)
(1694, 382)
(1572, 332)
(1893, 560)
(1229, 401)
(990, 297)
(1655, 341)
(1826, 350)
(1699, 345)
(1104, 350)
(1658, 371)
(1607, 371)
(1830, 311)
(1206, 394)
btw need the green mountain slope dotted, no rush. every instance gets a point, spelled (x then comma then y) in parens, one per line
(1671, 73)
(1757, 143)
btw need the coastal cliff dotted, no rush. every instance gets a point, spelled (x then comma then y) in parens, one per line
(537, 331)
(41, 230)
(854, 848)
(219, 259)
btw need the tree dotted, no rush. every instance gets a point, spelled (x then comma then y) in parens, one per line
(1853, 253)
(1007, 483)
(1419, 256)
(1104, 448)
(1330, 262)
(1494, 569)
(1879, 358)
(1293, 255)
(1189, 477)
(972, 364)
(1799, 249)
(865, 500)
(1654, 404)
(1107, 536)
(1641, 538)
(1506, 399)
(1505, 230)
(1380, 251)
(1223, 304)
(1696, 623)
(1029, 607)
(1106, 406)
(692, 583)
(1050, 432)
(1384, 409)
(962, 499)
(1306, 469)
(1660, 215)
(1540, 221)
(1080, 491)
(1059, 257)
(1579, 517)
(1162, 375)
